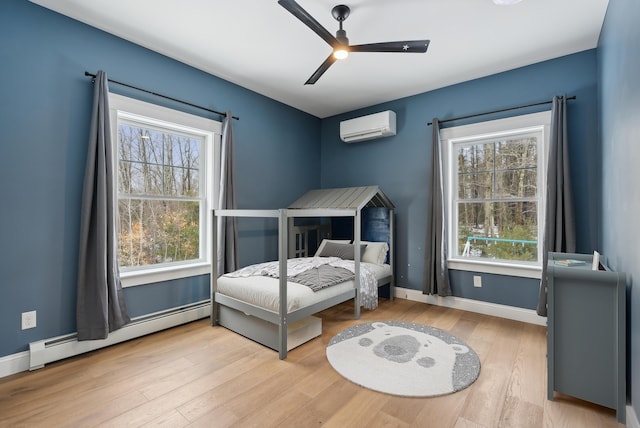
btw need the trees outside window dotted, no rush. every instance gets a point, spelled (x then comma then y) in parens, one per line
(497, 206)
(494, 175)
(165, 181)
(159, 195)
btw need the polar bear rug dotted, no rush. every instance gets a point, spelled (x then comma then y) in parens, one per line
(402, 358)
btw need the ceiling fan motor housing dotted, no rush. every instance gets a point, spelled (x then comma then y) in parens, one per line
(341, 36)
(340, 12)
(340, 43)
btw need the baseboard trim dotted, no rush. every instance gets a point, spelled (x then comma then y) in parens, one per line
(14, 363)
(503, 311)
(632, 418)
(46, 351)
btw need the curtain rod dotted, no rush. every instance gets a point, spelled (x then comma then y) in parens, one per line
(498, 111)
(93, 76)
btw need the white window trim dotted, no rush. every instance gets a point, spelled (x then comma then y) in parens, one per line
(212, 131)
(456, 134)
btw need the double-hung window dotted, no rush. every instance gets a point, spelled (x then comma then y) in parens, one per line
(165, 187)
(494, 175)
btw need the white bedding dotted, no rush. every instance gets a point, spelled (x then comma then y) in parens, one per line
(263, 291)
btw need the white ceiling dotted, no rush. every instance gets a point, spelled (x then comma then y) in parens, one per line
(259, 45)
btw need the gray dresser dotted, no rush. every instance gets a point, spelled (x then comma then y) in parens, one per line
(586, 332)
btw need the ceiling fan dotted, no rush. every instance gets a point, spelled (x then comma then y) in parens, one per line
(340, 43)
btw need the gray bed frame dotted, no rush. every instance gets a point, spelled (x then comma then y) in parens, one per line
(268, 327)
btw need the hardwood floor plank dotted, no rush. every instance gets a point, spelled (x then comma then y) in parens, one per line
(101, 390)
(271, 384)
(316, 382)
(384, 420)
(489, 390)
(464, 423)
(443, 411)
(95, 413)
(176, 377)
(148, 411)
(568, 412)
(327, 401)
(404, 409)
(220, 417)
(287, 402)
(463, 329)
(529, 364)
(171, 419)
(241, 387)
(360, 410)
(520, 413)
(201, 376)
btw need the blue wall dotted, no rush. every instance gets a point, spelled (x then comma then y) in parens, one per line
(618, 67)
(400, 164)
(45, 103)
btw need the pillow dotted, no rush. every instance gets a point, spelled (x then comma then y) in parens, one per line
(344, 251)
(376, 252)
(324, 242)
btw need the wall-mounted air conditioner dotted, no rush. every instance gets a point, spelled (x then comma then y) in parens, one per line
(368, 127)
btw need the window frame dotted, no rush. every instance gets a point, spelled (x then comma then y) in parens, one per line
(450, 137)
(130, 109)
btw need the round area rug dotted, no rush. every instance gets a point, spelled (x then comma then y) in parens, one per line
(403, 358)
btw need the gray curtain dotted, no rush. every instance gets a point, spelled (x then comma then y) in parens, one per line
(100, 303)
(227, 257)
(436, 273)
(559, 233)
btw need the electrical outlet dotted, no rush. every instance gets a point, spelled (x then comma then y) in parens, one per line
(28, 320)
(477, 281)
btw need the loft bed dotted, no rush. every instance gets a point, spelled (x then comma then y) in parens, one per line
(284, 304)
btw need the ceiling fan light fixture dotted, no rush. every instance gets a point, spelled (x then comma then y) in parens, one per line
(340, 53)
(506, 2)
(340, 43)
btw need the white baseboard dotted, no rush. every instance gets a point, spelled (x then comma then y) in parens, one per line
(14, 363)
(510, 312)
(632, 418)
(57, 348)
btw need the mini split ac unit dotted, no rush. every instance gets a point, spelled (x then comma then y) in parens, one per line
(368, 127)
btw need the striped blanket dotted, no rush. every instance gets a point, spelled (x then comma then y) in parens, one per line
(318, 273)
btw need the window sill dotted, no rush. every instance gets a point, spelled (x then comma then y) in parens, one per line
(509, 269)
(149, 276)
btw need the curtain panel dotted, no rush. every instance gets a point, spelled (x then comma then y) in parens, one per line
(436, 273)
(100, 307)
(227, 236)
(559, 230)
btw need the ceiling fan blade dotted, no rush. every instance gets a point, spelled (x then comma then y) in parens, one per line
(308, 20)
(320, 71)
(414, 46)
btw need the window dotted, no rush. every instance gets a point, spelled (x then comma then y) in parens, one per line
(165, 162)
(494, 187)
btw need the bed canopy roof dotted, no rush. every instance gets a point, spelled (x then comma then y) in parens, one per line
(343, 198)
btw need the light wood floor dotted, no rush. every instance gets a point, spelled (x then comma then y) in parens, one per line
(201, 376)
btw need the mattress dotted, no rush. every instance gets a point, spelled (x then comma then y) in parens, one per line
(263, 291)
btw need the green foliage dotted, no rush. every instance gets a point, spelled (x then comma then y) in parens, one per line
(496, 191)
(158, 191)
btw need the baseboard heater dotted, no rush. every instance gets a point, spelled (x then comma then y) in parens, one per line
(57, 348)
